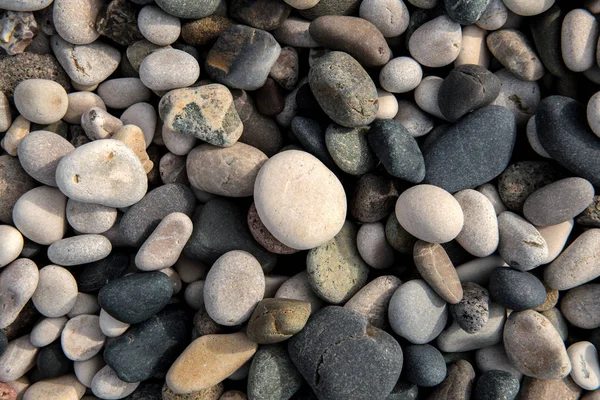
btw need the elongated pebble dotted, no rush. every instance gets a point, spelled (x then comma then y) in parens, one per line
(79, 250)
(479, 235)
(107, 385)
(62, 387)
(437, 270)
(579, 36)
(521, 244)
(18, 283)
(89, 217)
(556, 237)
(19, 128)
(122, 92)
(426, 95)
(47, 331)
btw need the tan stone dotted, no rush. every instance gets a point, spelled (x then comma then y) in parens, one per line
(435, 267)
(17, 131)
(543, 389)
(7, 392)
(20, 386)
(473, 48)
(551, 299)
(133, 137)
(211, 393)
(373, 299)
(208, 360)
(65, 387)
(233, 395)
(276, 320)
(458, 383)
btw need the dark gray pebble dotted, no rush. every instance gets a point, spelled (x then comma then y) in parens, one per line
(374, 197)
(3, 342)
(93, 276)
(262, 14)
(516, 290)
(272, 374)
(404, 391)
(312, 138)
(496, 385)
(331, 7)
(424, 365)
(546, 30)
(465, 12)
(52, 362)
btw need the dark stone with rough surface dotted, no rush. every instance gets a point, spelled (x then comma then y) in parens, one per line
(515, 289)
(148, 390)
(465, 12)
(424, 365)
(269, 98)
(312, 138)
(24, 323)
(350, 149)
(93, 276)
(374, 198)
(119, 23)
(143, 217)
(404, 391)
(189, 9)
(331, 7)
(496, 385)
(473, 151)
(3, 342)
(149, 348)
(16, 69)
(137, 297)
(458, 384)
(473, 310)
(52, 362)
(272, 374)
(342, 356)
(546, 30)
(591, 215)
(205, 30)
(14, 182)
(261, 14)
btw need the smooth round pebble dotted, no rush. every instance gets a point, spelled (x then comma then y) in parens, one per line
(85, 304)
(436, 43)
(298, 288)
(110, 326)
(580, 306)
(521, 244)
(194, 295)
(11, 244)
(56, 292)
(107, 385)
(77, 250)
(374, 247)
(157, 26)
(40, 153)
(81, 338)
(183, 9)
(41, 101)
(516, 53)
(479, 235)
(400, 75)
(373, 299)
(424, 365)
(389, 16)
(276, 320)
(388, 105)
(79, 103)
(18, 358)
(85, 370)
(121, 93)
(89, 217)
(272, 374)
(426, 95)
(349, 148)
(75, 21)
(18, 283)
(47, 331)
(472, 312)
(65, 387)
(516, 290)
(435, 267)
(156, 70)
(586, 366)
(416, 122)
(142, 115)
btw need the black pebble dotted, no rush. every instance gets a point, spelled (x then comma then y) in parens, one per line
(546, 29)
(424, 365)
(93, 276)
(312, 138)
(496, 385)
(3, 342)
(465, 12)
(515, 289)
(52, 362)
(148, 390)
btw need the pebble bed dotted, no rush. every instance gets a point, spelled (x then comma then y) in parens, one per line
(299, 199)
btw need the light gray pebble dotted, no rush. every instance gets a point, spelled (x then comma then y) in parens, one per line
(89, 217)
(521, 244)
(47, 330)
(79, 103)
(26, 5)
(579, 36)
(142, 115)
(39, 215)
(494, 16)
(41, 101)
(40, 153)
(157, 26)
(18, 282)
(416, 122)
(436, 43)
(294, 32)
(298, 288)
(157, 70)
(479, 269)
(11, 244)
(97, 123)
(85, 304)
(490, 191)
(426, 95)
(400, 75)
(374, 247)
(373, 299)
(521, 97)
(533, 138)
(177, 143)
(389, 16)
(81, 338)
(558, 321)
(495, 358)
(75, 20)
(121, 93)
(56, 292)
(111, 326)
(18, 358)
(194, 295)
(528, 8)
(107, 385)
(479, 235)
(85, 370)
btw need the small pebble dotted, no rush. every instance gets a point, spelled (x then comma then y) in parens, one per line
(157, 26)
(586, 367)
(580, 306)
(18, 283)
(496, 385)
(392, 22)
(41, 101)
(298, 288)
(89, 217)
(276, 320)
(516, 290)
(516, 53)
(272, 375)
(56, 292)
(579, 36)
(374, 247)
(494, 358)
(11, 244)
(156, 70)
(349, 148)
(521, 244)
(81, 338)
(79, 250)
(437, 270)
(436, 43)
(479, 235)
(294, 32)
(458, 383)
(107, 385)
(110, 326)
(120, 93)
(17, 131)
(471, 313)
(424, 365)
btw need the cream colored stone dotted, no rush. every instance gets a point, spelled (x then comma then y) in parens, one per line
(11, 244)
(19, 357)
(85, 370)
(56, 292)
(133, 137)
(107, 385)
(47, 331)
(473, 49)
(17, 131)
(18, 282)
(65, 387)
(479, 235)
(79, 103)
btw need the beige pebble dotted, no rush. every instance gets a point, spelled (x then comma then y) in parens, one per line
(144, 116)
(41, 101)
(491, 192)
(56, 292)
(579, 37)
(373, 299)
(18, 358)
(39, 215)
(556, 237)
(17, 131)
(5, 113)
(79, 103)
(426, 95)
(89, 217)
(99, 124)
(122, 93)
(388, 105)
(133, 137)
(11, 244)
(107, 385)
(82, 339)
(437, 270)
(85, 370)
(110, 326)
(298, 288)
(473, 48)
(577, 264)
(65, 387)
(479, 235)
(85, 303)
(528, 8)
(75, 20)
(47, 330)
(18, 282)
(436, 43)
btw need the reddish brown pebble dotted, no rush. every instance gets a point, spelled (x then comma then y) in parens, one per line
(262, 235)
(7, 393)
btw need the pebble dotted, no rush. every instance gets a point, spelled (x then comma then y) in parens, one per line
(535, 347)
(337, 70)
(27, 5)
(228, 304)
(436, 43)
(157, 26)
(120, 93)
(465, 12)
(397, 150)
(349, 149)
(166, 334)
(342, 335)
(437, 270)
(479, 145)
(586, 367)
(18, 283)
(417, 313)
(516, 290)
(331, 7)
(63, 387)
(79, 250)
(93, 276)
(579, 306)
(533, 139)
(156, 70)
(298, 288)
(558, 321)
(479, 235)
(75, 21)
(11, 244)
(490, 191)
(81, 338)
(99, 124)
(429, 213)
(18, 358)
(416, 122)
(496, 385)
(118, 22)
(579, 36)
(458, 383)
(17, 386)
(589, 217)
(178, 143)
(107, 385)
(494, 358)
(373, 198)
(56, 292)
(263, 236)
(183, 9)
(466, 88)
(473, 48)
(523, 178)
(516, 53)
(41, 101)
(208, 360)
(471, 313)
(521, 97)
(17, 131)
(521, 244)
(528, 7)
(565, 388)
(137, 297)
(546, 29)
(373, 246)
(194, 295)
(40, 153)
(80, 102)
(316, 191)
(276, 320)
(110, 326)
(424, 365)
(373, 299)
(47, 330)
(216, 122)
(311, 138)
(335, 269)
(272, 375)
(294, 32)
(263, 14)
(87, 64)
(558, 202)
(388, 105)
(89, 217)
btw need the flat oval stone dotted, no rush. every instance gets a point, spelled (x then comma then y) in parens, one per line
(558, 202)
(121, 92)
(89, 217)
(479, 146)
(373, 246)
(424, 365)
(355, 36)
(349, 149)
(546, 29)
(389, 16)
(535, 347)
(75, 21)
(62, 387)
(528, 7)
(580, 306)
(586, 367)
(471, 313)
(229, 304)
(372, 300)
(437, 270)
(208, 360)
(156, 70)
(157, 26)
(272, 375)
(516, 53)
(183, 9)
(41, 101)
(93, 276)
(229, 171)
(436, 43)
(496, 385)
(323, 352)
(579, 36)
(166, 334)
(494, 358)
(47, 330)
(294, 32)
(137, 297)
(107, 385)
(354, 105)
(105, 172)
(11, 244)
(56, 292)
(429, 213)
(417, 313)
(77, 250)
(18, 358)
(14, 182)
(276, 320)
(315, 191)
(458, 383)
(521, 244)
(479, 235)
(81, 338)
(40, 153)
(18, 282)
(516, 290)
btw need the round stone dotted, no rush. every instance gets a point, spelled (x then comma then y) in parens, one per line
(436, 43)
(111, 327)
(28, 5)
(580, 306)
(41, 101)
(429, 213)
(494, 358)
(426, 95)
(528, 8)
(14, 182)
(156, 70)
(18, 283)
(586, 367)
(523, 178)
(11, 244)
(389, 16)
(56, 292)
(521, 244)
(77, 250)
(579, 36)
(62, 387)
(89, 217)
(18, 358)
(40, 153)
(516, 53)
(47, 331)
(75, 20)
(141, 115)
(416, 122)
(157, 26)
(107, 385)
(496, 384)
(473, 48)
(271, 374)
(471, 313)
(276, 320)
(203, 31)
(424, 365)
(296, 180)
(121, 93)
(479, 235)
(388, 105)
(81, 338)
(349, 149)
(184, 9)
(294, 32)
(437, 270)
(39, 215)
(298, 288)
(373, 198)
(402, 241)
(516, 290)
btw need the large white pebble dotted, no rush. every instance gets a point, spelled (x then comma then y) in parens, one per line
(107, 385)
(86, 370)
(82, 339)
(39, 215)
(579, 36)
(41, 101)
(479, 235)
(105, 172)
(11, 244)
(585, 363)
(18, 283)
(18, 358)
(56, 292)
(436, 43)
(47, 331)
(65, 387)
(157, 26)
(400, 75)
(75, 20)
(299, 200)
(429, 213)
(111, 326)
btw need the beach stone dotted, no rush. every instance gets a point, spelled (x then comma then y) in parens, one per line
(204, 31)
(118, 21)
(139, 50)
(311, 138)
(349, 149)
(373, 246)
(75, 21)
(11, 244)
(194, 295)
(270, 98)
(18, 358)
(496, 385)
(473, 48)
(520, 97)
(521, 244)
(586, 367)
(79, 103)
(479, 235)
(535, 347)
(436, 43)
(263, 236)
(372, 300)
(156, 70)
(111, 327)
(229, 304)
(166, 334)
(416, 312)
(516, 290)
(424, 365)
(490, 191)
(276, 320)
(294, 32)
(208, 360)
(480, 154)
(455, 339)
(458, 383)
(47, 330)
(516, 53)
(18, 282)
(13, 136)
(81, 338)
(373, 198)
(522, 179)
(56, 292)
(429, 213)
(579, 36)
(465, 12)
(590, 217)
(97, 123)
(558, 202)
(333, 71)
(79, 250)
(392, 22)
(135, 138)
(437, 270)
(41, 101)
(137, 297)
(388, 105)
(532, 389)
(298, 288)
(107, 385)
(211, 393)
(89, 217)
(331, 7)
(87, 64)
(93, 276)
(84, 304)
(529, 7)
(558, 321)
(157, 26)
(85, 370)
(471, 313)
(580, 306)
(329, 332)
(177, 143)
(121, 93)
(62, 387)
(14, 182)
(264, 14)
(546, 29)
(186, 10)
(319, 194)
(206, 112)
(494, 358)
(466, 88)
(272, 374)
(285, 71)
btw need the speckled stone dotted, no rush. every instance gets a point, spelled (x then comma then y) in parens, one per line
(494, 385)
(203, 31)
(523, 178)
(272, 374)
(424, 365)
(77, 250)
(156, 69)
(516, 53)
(546, 31)
(580, 306)
(521, 244)
(211, 393)
(533, 388)
(516, 290)
(263, 14)
(119, 22)
(41, 101)
(472, 312)
(276, 320)
(591, 215)
(465, 12)
(579, 36)
(349, 149)
(27, 65)
(93, 276)
(183, 9)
